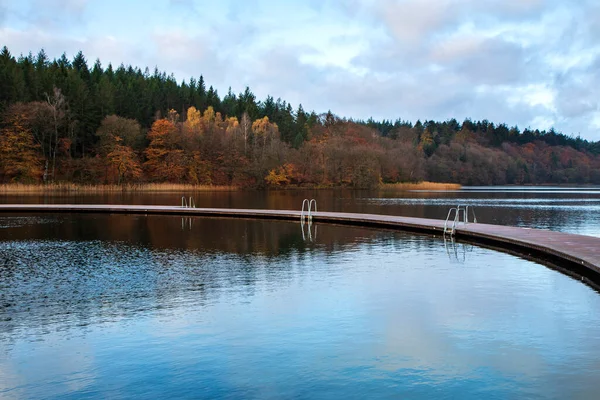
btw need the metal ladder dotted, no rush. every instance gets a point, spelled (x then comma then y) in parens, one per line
(456, 220)
(307, 205)
(306, 216)
(186, 204)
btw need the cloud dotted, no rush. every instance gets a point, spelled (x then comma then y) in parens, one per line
(187, 6)
(522, 62)
(413, 21)
(3, 11)
(494, 61)
(176, 46)
(282, 70)
(243, 10)
(592, 21)
(576, 91)
(183, 3)
(576, 100)
(186, 55)
(512, 9)
(56, 14)
(497, 60)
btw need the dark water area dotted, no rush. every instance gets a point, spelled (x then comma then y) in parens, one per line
(573, 210)
(117, 306)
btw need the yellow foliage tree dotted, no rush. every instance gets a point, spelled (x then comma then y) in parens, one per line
(232, 125)
(194, 118)
(264, 130)
(209, 115)
(282, 175)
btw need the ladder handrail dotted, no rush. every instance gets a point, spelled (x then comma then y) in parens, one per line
(457, 218)
(192, 203)
(473, 210)
(183, 202)
(466, 216)
(447, 219)
(309, 208)
(302, 216)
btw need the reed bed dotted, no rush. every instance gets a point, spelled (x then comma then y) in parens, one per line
(64, 188)
(72, 188)
(421, 186)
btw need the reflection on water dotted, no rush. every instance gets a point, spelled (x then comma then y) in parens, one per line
(457, 252)
(309, 230)
(534, 189)
(132, 306)
(575, 210)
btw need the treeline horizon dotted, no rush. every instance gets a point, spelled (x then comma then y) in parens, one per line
(62, 120)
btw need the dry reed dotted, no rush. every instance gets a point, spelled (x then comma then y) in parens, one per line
(421, 186)
(72, 188)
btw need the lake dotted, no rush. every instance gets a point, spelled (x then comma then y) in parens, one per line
(574, 210)
(119, 306)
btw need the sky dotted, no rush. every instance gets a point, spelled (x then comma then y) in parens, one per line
(529, 63)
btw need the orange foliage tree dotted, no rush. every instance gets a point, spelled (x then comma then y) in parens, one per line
(124, 160)
(165, 161)
(117, 139)
(20, 160)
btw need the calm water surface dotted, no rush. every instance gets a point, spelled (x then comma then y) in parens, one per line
(574, 210)
(99, 306)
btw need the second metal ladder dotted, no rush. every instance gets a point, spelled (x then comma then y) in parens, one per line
(186, 204)
(456, 220)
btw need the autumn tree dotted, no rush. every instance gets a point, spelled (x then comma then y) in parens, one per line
(193, 118)
(282, 175)
(118, 140)
(127, 130)
(164, 158)
(124, 160)
(19, 154)
(264, 131)
(38, 119)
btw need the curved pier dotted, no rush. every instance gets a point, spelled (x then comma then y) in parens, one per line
(575, 254)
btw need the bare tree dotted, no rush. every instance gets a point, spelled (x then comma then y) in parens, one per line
(57, 104)
(246, 125)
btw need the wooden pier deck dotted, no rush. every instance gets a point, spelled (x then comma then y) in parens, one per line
(576, 254)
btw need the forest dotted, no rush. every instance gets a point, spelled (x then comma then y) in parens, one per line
(63, 120)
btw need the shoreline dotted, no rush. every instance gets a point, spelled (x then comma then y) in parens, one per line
(425, 185)
(73, 188)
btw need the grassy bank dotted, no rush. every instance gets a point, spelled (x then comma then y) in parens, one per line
(71, 188)
(421, 186)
